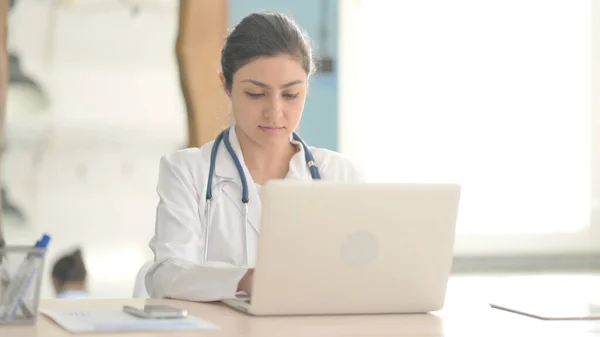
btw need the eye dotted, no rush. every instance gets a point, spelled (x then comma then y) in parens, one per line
(291, 96)
(253, 95)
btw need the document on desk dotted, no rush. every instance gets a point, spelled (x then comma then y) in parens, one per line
(86, 321)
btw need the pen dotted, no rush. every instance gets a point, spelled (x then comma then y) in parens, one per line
(12, 297)
(43, 243)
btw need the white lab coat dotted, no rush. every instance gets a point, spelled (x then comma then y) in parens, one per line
(179, 270)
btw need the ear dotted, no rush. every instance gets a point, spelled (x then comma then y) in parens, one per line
(224, 84)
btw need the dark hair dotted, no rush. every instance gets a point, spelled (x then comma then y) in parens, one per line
(264, 34)
(70, 268)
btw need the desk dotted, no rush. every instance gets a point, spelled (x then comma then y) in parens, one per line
(466, 314)
(464, 320)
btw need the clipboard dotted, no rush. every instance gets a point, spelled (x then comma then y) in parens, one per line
(553, 311)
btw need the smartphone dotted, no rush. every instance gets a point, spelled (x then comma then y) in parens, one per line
(156, 312)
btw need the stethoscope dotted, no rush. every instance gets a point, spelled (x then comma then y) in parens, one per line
(224, 136)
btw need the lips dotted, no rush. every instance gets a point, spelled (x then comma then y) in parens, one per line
(271, 129)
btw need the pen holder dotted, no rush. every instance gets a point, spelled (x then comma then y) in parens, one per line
(21, 274)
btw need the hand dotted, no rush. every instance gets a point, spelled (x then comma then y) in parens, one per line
(245, 284)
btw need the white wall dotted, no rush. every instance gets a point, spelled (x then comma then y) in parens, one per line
(85, 170)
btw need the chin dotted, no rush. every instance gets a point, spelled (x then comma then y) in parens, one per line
(276, 138)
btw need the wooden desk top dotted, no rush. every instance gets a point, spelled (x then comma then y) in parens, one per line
(464, 321)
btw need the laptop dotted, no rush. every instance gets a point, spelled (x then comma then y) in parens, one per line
(332, 248)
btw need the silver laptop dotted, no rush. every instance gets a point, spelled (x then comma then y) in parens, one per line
(352, 248)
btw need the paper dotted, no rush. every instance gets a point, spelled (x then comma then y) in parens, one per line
(77, 321)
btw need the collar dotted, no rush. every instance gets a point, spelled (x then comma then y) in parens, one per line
(225, 167)
(225, 170)
(298, 166)
(73, 294)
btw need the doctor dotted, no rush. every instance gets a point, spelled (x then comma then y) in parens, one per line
(208, 216)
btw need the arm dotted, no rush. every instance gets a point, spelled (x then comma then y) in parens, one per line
(179, 269)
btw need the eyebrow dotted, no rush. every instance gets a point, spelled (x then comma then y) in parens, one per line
(266, 86)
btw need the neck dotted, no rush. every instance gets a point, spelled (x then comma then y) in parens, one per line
(266, 163)
(72, 286)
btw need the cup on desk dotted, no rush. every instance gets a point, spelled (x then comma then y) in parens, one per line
(21, 273)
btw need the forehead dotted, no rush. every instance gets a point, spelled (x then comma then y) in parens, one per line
(273, 70)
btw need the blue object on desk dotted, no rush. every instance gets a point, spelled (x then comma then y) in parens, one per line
(12, 298)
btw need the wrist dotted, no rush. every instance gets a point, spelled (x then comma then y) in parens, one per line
(244, 283)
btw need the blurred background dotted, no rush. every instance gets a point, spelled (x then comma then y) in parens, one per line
(496, 96)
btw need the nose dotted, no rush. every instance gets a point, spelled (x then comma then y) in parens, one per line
(274, 109)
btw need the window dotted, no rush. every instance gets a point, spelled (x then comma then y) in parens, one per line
(494, 95)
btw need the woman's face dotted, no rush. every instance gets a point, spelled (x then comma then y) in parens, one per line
(267, 97)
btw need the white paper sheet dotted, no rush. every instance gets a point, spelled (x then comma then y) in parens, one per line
(79, 321)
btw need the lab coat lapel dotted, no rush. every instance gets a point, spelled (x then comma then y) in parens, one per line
(298, 168)
(225, 169)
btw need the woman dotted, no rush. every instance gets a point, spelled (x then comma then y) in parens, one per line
(266, 64)
(69, 277)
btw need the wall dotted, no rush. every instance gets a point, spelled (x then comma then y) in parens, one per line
(85, 169)
(319, 125)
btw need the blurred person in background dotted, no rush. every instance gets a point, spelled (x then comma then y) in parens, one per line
(69, 276)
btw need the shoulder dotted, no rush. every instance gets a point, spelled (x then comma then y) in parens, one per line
(189, 162)
(335, 166)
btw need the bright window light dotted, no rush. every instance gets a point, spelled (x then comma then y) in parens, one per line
(494, 95)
